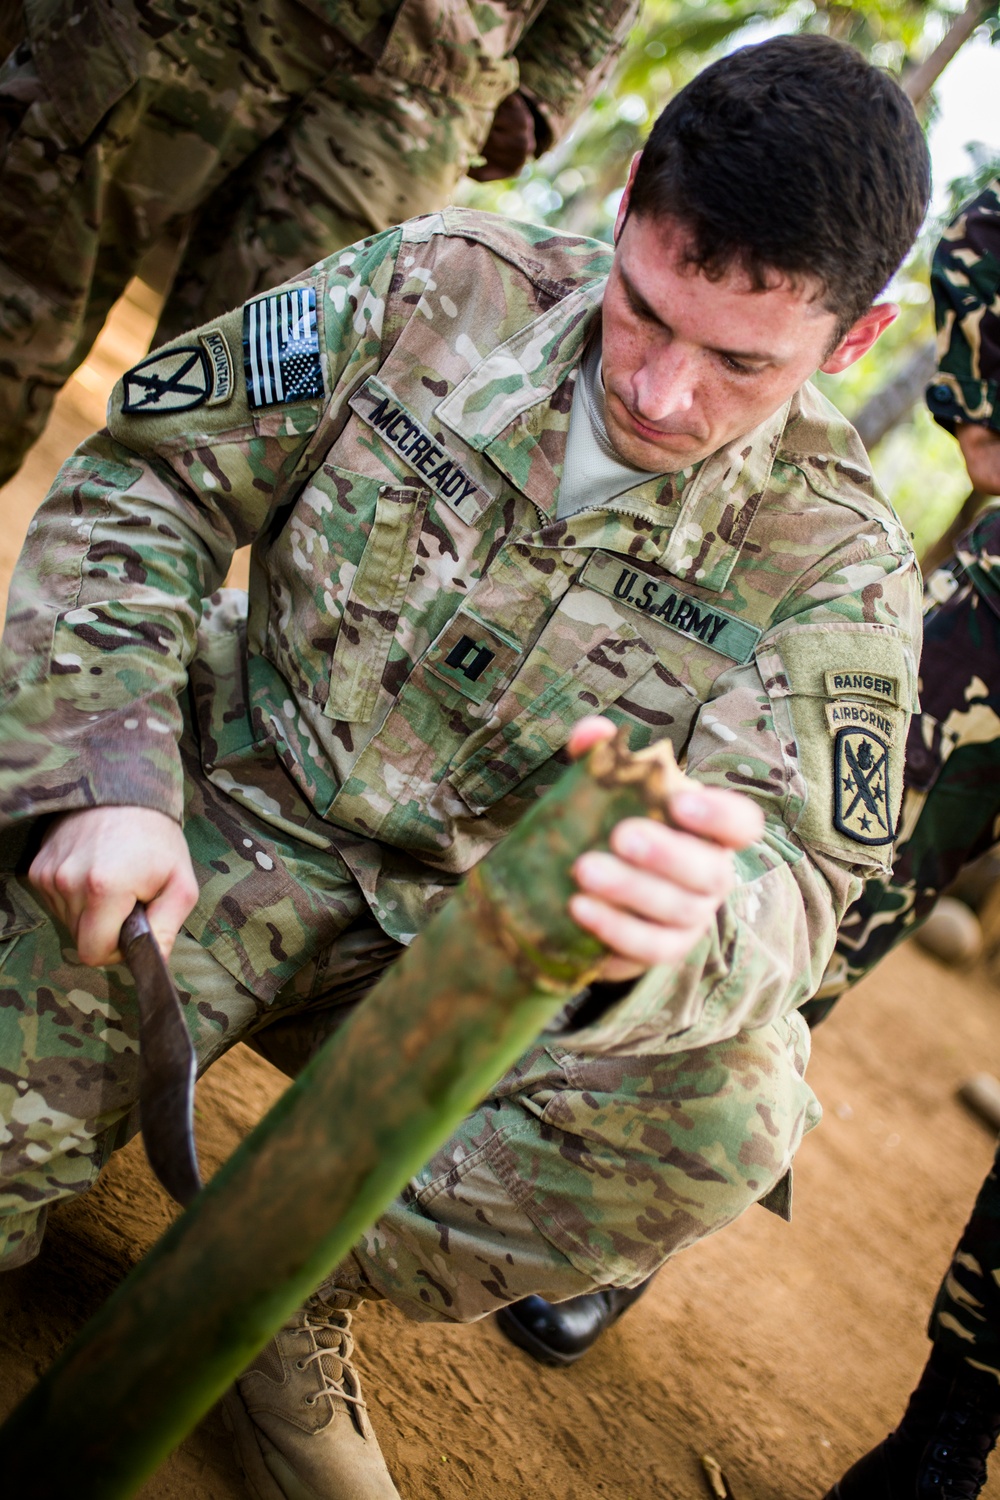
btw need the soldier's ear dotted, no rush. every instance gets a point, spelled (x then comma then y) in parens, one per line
(626, 195)
(860, 337)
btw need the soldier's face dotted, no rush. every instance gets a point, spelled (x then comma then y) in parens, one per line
(691, 364)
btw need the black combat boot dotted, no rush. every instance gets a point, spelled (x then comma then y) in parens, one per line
(939, 1449)
(953, 1465)
(557, 1333)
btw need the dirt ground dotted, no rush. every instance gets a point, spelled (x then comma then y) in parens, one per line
(783, 1350)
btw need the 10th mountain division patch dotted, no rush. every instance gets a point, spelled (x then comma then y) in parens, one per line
(182, 378)
(861, 787)
(176, 380)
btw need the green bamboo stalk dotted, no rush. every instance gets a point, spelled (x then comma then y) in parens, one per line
(475, 989)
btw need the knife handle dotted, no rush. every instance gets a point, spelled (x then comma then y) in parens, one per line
(135, 925)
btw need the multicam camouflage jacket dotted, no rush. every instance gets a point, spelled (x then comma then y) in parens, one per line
(557, 52)
(423, 632)
(965, 279)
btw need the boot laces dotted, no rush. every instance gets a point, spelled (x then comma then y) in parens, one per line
(323, 1323)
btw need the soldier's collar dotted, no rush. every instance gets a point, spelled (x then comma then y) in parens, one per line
(503, 408)
(514, 406)
(719, 504)
(522, 372)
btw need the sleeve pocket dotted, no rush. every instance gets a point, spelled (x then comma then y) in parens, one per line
(841, 695)
(371, 612)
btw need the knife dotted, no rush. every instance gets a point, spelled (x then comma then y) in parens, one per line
(167, 1066)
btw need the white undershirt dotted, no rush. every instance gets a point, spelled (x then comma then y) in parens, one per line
(593, 473)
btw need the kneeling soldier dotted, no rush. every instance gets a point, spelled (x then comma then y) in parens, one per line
(497, 479)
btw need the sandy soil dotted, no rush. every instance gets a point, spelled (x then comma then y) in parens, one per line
(784, 1350)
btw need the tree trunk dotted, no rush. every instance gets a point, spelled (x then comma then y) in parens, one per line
(918, 83)
(896, 399)
(939, 551)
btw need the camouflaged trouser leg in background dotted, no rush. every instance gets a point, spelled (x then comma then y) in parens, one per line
(257, 135)
(966, 1316)
(105, 147)
(581, 1172)
(362, 153)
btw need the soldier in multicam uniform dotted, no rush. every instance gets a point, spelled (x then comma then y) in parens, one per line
(265, 137)
(497, 480)
(950, 816)
(952, 771)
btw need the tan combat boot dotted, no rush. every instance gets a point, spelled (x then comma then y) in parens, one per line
(300, 1423)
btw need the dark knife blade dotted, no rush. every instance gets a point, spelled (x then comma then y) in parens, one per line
(167, 1066)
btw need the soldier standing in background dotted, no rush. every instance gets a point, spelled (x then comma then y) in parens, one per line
(951, 815)
(264, 137)
(497, 480)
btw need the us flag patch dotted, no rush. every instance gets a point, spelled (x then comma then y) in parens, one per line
(281, 348)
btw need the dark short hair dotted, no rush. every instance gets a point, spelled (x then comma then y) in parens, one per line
(794, 156)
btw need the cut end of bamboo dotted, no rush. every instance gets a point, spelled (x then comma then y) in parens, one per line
(653, 772)
(981, 1094)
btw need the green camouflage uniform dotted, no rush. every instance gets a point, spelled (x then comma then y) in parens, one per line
(423, 632)
(267, 137)
(965, 280)
(951, 808)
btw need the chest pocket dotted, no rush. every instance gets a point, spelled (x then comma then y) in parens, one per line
(372, 606)
(578, 666)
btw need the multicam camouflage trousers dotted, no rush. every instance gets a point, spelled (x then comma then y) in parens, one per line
(577, 1172)
(951, 815)
(255, 136)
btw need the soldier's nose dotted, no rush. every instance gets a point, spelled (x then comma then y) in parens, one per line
(665, 387)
